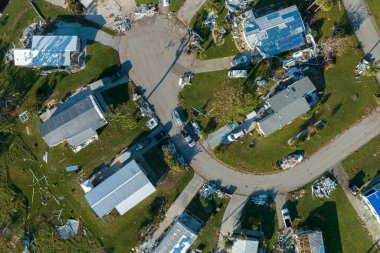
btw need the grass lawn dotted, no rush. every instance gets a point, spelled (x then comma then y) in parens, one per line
(374, 7)
(212, 217)
(335, 217)
(261, 218)
(364, 164)
(345, 103)
(139, 2)
(175, 5)
(212, 50)
(199, 93)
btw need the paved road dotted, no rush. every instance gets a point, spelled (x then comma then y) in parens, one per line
(364, 28)
(179, 204)
(188, 10)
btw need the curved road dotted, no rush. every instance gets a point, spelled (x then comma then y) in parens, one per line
(152, 53)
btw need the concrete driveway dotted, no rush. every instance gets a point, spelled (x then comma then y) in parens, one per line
(364, 28)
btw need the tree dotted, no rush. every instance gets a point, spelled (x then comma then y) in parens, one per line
(170, 161)
(75, 7)
(204, 202)
(230, 103)
(228, 244)
(123, 115)
(325, 5)
(242, 236)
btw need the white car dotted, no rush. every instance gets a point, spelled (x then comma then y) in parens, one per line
(286, 217)
(239, 61)
(237, 73)
(236, 135)
(188, 138)
(177, 117)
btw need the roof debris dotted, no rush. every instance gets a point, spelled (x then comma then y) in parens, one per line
(323, 187)
(69, 229)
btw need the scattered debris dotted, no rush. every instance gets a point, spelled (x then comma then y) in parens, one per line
(24, 117)
(69, 229)
(185, 79)
(210, 20)
(72, 168)
(145, 10)
(323, 187)
(45, 157)
(208, 190)
(121, 24)
(290, 161)
(285, 242)
(298, 194)
(152, 123)
(260, 199)
(362, 67)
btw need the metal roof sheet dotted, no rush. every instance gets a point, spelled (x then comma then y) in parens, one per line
(276, 32)
(178, 239)
(245, 246)
(76, 119)
(124, 189)
(47, 51)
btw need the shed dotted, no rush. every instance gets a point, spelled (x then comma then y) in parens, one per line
(69, 229)
(309, 242)
(123, 190)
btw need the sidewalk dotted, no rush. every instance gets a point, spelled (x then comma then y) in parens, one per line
(231, 218)
(367, 218)
(364, 28)
(179, 204)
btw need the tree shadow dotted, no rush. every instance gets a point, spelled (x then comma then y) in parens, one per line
(325, 218)
(336, 108)
(358, 179)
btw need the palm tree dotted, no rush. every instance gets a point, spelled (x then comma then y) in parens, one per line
(372, 70)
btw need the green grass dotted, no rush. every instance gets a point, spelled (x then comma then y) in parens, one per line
(375, 11)
(175, 5)
(212, 50)
(154, 157)
(261, 218)
(364, 164)
(340, 111)
(208, 235)
(139, 2)
(198, 94)
(335, 217)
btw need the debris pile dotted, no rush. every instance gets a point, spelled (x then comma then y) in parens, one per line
(290, 161)
(122, 24)
(208, 190)
(185, 79)
(260, 199)
(195, 42)
(362, 67)
(210, 20)
(285, 242)
(145, 10)
(236, 5)
(323, 188)
(33, 29)
(69, 229)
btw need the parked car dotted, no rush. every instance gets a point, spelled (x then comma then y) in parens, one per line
(142, 144)
(188, 138)
(177, 116)
(239, 60)
(286, 217)
(236, 135)
(237, 73)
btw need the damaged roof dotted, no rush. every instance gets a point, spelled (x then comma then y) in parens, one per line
(82, 118)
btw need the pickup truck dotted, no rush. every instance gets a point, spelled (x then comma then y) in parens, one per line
(286, 217)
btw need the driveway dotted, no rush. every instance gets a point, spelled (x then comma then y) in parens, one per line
(364, 28)
(189, 9)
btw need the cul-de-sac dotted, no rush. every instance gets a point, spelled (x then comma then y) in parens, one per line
(190, 126)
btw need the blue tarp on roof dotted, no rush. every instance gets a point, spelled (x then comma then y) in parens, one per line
(277, 32)
(374, 200)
